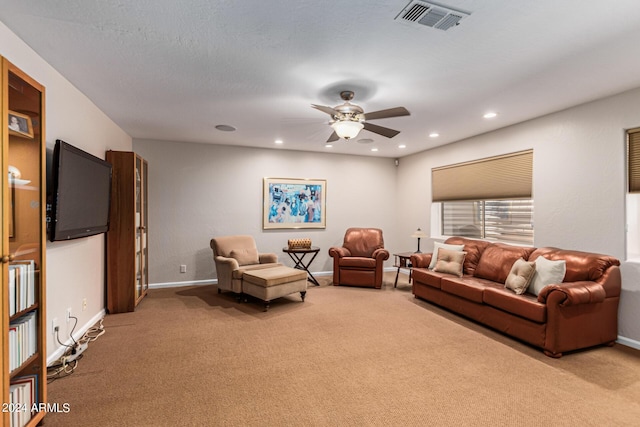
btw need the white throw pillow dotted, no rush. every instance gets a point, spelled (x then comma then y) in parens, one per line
(438, 245)
(547, 273)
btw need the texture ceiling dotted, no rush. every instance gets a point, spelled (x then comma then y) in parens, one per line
(170, 70)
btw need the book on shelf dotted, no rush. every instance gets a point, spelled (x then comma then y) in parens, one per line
(24, 399)
(22, 286)
(23, 339)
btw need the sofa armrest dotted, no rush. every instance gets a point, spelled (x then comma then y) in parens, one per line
(421, 260)
(267, 258)
(228, 263)
(575, 293)
(339, 252)
(380, 254)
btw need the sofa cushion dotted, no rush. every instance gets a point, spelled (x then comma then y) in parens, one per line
(520, 276)
(237, 274)
(547, 273)
(497, 259)
(275, 276)
(525, 305)
(437, 246)
(473, 248)
(450, 262)
(467, 287)
(245, 256)
(357, 262)
(427, 277)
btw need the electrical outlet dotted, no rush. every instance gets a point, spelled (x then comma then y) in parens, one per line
(54, 325)
(68, 314)
(183, 268)
(84, 304)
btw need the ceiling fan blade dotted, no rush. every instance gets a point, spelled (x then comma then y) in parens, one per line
(334, 137)
(390, 112)
(330, 111)
(380, 130)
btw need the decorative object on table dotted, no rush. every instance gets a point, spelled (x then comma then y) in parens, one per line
(294, 203)
(299, 243)
(418, 234)
(20, 125)
(298, 255)
(359, 261)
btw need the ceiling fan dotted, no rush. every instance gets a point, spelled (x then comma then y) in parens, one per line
(348, 119)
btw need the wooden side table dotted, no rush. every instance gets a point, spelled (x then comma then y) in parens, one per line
(402, 260)
(298, 255)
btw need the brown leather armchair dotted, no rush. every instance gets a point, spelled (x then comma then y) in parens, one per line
(358, 262)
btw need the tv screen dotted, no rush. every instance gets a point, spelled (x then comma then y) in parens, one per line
(81, 193)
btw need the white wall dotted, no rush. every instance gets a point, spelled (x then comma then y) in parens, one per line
(578, 183)
(198, 191)
(75, 269)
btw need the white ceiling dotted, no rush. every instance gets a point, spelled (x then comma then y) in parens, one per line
(173, 70)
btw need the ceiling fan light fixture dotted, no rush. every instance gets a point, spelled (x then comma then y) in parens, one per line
(347, 129)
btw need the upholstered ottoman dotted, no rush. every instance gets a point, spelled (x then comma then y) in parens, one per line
(270, 283)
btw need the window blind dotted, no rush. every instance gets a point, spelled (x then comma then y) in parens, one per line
(502, 220)
(503, 177)
(633, 158)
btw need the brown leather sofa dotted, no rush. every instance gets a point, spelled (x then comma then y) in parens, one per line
(359, 261)
(579, 312)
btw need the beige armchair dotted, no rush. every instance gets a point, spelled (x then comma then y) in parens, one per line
(233, 255)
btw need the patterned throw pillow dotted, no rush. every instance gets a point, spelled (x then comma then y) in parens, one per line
(450, 262)
(520, 276)
(436, 248)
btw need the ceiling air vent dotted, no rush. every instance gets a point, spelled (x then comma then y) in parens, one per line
(431, 15)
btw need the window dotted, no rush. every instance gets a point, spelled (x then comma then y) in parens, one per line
(633, 195)
(489, 198)
(503, 220)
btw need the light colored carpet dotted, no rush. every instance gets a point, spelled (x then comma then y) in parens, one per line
(345, 357)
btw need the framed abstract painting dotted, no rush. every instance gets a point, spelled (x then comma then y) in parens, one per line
(294, 203)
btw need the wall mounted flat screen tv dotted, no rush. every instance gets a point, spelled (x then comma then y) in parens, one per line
(81, 193)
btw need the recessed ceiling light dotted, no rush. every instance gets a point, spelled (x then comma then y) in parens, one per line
(278, 141)
(225, 128)
(374, 149)
(434, 135)
(402, 146)
(490, 115)
(328, 146)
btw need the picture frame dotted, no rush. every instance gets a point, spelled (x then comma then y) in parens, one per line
(20, 125)
(294, 203)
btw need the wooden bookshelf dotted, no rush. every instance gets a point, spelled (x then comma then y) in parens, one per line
(22, 236)
(127, 265)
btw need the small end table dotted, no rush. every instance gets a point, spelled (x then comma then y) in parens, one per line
(298, 255)
(402, 261)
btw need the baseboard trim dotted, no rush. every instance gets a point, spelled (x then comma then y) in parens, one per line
(628, 342)
(76, 336)
(185, 283)
(210, 281)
